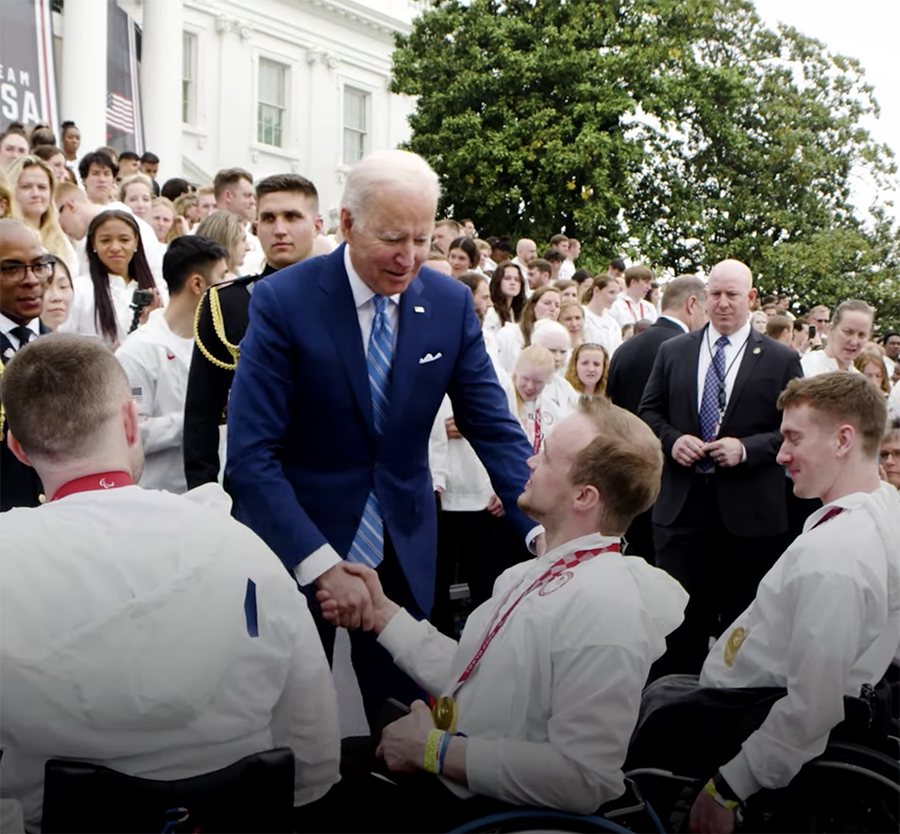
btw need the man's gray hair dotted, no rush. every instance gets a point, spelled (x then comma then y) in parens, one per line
(680, 289)
(387, 169)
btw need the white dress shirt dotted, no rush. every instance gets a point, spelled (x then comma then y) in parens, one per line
(6, 326)
(825, 621)
(326, 557)
(126, 642)
(551, 705)
(735, 353)
(679, 322)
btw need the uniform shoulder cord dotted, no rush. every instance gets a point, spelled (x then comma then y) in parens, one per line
(215, 309)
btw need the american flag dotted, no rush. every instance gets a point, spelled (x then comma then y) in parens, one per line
(119, 113)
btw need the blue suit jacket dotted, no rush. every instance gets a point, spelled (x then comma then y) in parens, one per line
(303, 454)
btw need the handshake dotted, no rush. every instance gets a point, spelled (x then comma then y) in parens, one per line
(351, 596)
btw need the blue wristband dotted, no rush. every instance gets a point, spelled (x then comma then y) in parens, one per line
(442, 751)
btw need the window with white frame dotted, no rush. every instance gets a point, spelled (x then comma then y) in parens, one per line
(271, 108)
(356, 124)
(189, 78)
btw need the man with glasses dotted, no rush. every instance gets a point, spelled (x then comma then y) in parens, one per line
(820, 318)
(24, 272)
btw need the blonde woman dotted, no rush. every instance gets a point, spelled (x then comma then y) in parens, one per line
(227, 230)
(543, 304)
(33, 186)
(162, 219)
(5, 196)
(870, 363)
(136, 192)
(534, 369)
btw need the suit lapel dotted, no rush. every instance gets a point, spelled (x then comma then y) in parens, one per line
(752, 354)
(6, 349)
(690, 380)
(341, 309)
(415, 317)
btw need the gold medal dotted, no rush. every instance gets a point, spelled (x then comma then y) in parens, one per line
(735, 641)
(445, 713)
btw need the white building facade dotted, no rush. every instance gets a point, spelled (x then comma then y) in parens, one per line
(272, 86)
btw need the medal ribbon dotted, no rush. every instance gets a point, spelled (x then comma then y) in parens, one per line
(89, 483)
(494, 626)
(828, 516)
(537, 430)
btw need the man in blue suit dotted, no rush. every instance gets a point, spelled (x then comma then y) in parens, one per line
(341, 373)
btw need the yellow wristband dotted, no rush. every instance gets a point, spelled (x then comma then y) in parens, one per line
(431, 750)
(710, 788)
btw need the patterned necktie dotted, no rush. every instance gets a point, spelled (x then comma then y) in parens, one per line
(709, 405)
(22, 333)
(368, 544)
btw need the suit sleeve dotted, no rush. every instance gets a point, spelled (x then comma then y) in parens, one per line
(482, 415)
(654, 409)
(762, 449)
(207, 397)
(259, 417)
(612, 382)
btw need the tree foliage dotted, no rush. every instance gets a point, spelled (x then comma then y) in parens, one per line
(680, 131)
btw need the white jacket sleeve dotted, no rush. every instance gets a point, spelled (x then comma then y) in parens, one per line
(821, 653)
(306, 716)
(595, 703)
(165, 431)
(421, 651)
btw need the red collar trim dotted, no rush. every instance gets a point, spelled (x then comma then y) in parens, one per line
(102, 480)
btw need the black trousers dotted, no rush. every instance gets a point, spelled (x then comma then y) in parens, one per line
(379, 679)
(719, 570)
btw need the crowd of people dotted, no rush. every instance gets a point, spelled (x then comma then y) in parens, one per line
(631, 477)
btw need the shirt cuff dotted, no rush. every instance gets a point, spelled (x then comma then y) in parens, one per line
(743, 453)
(402, 630)
(532, 535)
(314, 565)
(739, 777)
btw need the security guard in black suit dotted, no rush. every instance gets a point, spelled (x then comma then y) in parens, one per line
(25, 271)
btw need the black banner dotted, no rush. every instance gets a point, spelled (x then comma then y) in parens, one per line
(27, 77)
(124, 130)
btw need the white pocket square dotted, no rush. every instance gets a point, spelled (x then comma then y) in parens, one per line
(428, 357)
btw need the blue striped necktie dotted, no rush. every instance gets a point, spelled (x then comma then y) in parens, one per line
(368, 544)
(709, 404)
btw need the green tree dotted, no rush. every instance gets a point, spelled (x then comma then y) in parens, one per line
(681, 131)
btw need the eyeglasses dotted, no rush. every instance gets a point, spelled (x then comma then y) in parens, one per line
(13, 273)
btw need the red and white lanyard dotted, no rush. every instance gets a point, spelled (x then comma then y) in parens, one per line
(537, 430)
(828, 516)
(631, 309)
(495, 624)
(89, 483)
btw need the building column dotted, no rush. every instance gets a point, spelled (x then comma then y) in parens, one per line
(162, 41)
(84, 70)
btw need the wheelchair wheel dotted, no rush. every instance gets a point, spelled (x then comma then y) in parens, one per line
(850, 790)
(536, 820)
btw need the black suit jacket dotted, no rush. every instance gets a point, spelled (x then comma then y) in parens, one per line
(20, 485)
(632, 362)
(751, 495)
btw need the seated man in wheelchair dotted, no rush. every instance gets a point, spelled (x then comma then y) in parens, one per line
(147, 632)
(537, 701)
(825, 623)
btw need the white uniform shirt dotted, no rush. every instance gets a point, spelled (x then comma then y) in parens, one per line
(626, 311)
(492, 323)
(510, 343)
(566, 270)
(825, 621)
(81, 320)
(551, 706)
(127, 640)
(817, 362)
(602, 330)
(157, 363)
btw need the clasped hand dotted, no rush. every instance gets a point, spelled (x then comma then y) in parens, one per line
(351, 596)
(726, 451)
